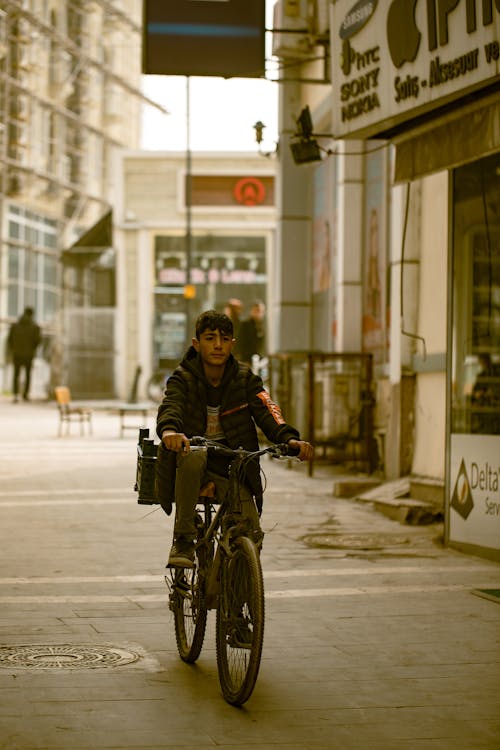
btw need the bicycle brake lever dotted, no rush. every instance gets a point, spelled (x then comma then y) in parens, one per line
(197, 440)
(283, 450)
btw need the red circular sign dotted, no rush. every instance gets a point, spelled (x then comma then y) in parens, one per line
(249, 191)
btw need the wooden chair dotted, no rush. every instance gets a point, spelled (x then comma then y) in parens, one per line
(69, 413)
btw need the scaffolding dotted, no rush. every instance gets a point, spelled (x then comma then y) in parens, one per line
(69, 93)
(70, 97)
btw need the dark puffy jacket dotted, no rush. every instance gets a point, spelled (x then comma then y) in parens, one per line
(245, 403)
(24, 337)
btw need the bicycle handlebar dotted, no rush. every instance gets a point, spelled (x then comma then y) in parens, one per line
(280, 450)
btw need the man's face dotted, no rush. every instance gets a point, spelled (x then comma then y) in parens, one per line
(214, 347)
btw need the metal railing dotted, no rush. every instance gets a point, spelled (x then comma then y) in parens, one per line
(329, 398)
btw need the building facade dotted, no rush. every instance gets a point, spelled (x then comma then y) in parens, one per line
(191, 231)
(400, 203)
(69, 99)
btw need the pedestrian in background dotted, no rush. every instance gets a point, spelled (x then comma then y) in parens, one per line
(234, 309)
(22, 342)
(252, 332)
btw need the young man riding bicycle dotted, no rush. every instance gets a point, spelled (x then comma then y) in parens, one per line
(211, 394)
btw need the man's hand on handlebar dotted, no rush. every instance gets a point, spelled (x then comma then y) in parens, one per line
(305, 449)
(175, 441)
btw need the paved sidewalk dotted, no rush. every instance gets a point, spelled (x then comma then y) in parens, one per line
(373, 638)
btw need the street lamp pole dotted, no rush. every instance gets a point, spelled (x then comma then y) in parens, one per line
(188, 288)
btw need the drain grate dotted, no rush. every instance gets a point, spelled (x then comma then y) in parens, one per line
(65, 656)
(360, 542)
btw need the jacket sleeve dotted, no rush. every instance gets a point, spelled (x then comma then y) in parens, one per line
(171, 410)
(267, 414)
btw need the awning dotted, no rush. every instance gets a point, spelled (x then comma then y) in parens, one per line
(92, 244)
(459, 137)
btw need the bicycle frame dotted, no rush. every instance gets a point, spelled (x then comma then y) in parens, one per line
(228, 532)
(226, 574)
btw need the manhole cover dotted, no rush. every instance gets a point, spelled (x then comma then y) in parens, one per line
(64, 656)
(353, 541)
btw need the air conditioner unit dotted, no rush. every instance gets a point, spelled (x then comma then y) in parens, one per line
(291, 38)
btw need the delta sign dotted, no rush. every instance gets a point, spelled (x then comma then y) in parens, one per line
(474, 490)
(394, 60)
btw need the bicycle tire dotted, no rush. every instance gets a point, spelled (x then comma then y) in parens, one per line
(240, 622)
(189, 608)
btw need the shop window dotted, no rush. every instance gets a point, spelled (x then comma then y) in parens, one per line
(476, 294)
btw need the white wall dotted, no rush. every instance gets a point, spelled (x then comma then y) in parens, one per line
(430, 406)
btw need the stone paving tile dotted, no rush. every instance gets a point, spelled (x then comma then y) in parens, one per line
(389, 670)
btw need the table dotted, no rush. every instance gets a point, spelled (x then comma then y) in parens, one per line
(138, 409)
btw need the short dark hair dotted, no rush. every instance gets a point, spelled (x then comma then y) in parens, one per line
(211, 320)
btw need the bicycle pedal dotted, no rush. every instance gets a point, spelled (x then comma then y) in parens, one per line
(234, 642)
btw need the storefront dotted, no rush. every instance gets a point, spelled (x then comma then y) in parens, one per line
(178, 257)
(222, 267)
(474, 441)
(431, 89)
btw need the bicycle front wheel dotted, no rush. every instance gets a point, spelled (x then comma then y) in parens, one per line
(240, 622)
(189, 608)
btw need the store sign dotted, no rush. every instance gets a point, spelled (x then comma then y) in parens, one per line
(394, 61)
(474, 500)
(204, 38)
(176, 276)
(232, 190)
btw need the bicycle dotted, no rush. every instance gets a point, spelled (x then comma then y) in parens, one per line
(226, 576)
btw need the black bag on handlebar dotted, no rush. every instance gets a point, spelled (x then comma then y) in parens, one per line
(155, 473)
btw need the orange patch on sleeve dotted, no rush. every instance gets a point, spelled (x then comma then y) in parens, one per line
(271, 407)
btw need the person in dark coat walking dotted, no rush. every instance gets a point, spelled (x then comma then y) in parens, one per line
(22, 342)
(212, 394)
(252, 334)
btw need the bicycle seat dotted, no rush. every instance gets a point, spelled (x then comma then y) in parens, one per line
(208, 490)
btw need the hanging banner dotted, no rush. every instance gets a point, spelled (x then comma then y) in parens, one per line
(204, 38)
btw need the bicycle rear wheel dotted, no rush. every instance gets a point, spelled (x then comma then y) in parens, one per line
(187, 602)
(240, 622)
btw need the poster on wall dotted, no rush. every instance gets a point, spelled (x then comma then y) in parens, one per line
(321, 239)
(375, 304)
(474, 494)
(324, 250)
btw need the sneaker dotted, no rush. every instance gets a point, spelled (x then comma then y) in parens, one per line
(182, 554)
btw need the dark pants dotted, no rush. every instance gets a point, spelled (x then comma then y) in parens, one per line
(19, 364)
(192, 473)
